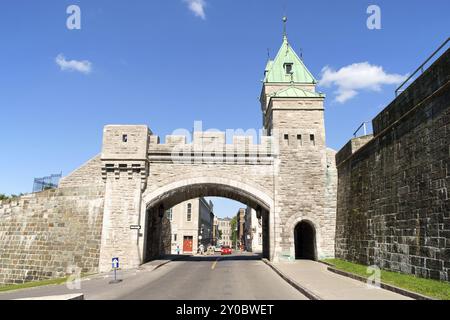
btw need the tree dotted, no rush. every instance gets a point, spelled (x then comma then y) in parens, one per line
(13, 196)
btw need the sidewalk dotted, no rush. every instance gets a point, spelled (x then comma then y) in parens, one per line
(315, 278)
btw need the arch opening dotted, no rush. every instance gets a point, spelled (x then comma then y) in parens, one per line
(305, 241)
(177, 195)
(158, 231)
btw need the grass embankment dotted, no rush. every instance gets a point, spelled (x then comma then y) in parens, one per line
(33, 284)
(431, 288)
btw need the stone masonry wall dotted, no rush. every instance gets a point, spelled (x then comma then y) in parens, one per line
(45, 235)
(393, 201)
(89, 174)
(304, 184)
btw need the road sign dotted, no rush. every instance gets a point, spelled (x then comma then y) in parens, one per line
(135, 227)
(115, 263)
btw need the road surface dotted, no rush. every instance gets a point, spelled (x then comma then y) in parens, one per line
(236, 277)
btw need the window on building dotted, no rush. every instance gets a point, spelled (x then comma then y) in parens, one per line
(169, 214)
(286, 137)
(189, 212)
(175, 237)
(313, 140)
(299, 139)
(125, 138)
(288, 68)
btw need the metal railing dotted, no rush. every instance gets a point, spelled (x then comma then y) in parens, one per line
(421, 68)
(362, 126)
(44, 183)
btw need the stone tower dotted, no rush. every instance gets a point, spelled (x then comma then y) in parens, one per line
(124, 172)
(305, 188)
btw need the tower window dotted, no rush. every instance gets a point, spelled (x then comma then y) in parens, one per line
(313, 140)
(288, 68)
(125, 138)
(286, 137)
(299, 139)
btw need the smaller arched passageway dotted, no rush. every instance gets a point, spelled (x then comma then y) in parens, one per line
(305, 241)
(157, 204)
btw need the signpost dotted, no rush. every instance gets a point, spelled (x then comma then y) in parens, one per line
(135, 227)
(115, 266)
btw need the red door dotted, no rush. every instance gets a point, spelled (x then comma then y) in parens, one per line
(187, 244)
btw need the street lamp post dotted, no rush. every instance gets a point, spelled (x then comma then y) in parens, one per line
(236, 230)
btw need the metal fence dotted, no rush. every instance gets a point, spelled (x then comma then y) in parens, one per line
(45, 183)
(420, 70)
(365, 127)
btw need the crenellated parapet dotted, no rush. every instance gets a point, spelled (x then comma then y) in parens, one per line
(128, 149)
(212, 147)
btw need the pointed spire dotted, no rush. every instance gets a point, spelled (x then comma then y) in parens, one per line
(285, 19)
(277, 70)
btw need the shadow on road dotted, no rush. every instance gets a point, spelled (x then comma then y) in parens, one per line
(234, 257)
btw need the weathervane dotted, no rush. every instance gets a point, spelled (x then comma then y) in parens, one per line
(285, 19)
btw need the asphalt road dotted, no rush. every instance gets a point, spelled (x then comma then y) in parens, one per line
(236, 277)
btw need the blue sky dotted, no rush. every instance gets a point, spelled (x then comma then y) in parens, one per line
(169, 63)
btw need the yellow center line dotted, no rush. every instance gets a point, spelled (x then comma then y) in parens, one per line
(214, 264)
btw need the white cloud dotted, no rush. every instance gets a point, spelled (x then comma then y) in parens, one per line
(197, 7)
(73, 65)
(351, 79)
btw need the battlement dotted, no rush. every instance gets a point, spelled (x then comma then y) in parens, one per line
(212, 147)
(210, 141)
(127, 148)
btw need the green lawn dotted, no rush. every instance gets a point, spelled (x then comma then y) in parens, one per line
(431, 288)
(35, 284)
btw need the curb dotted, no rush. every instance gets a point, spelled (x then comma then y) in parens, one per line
(416, 296)
(325, 263)
(309, 294)
(168, 261)
(162, 264)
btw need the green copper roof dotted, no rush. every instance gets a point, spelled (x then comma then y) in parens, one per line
(293, 92)
(276, 69)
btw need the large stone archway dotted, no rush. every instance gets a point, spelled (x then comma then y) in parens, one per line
(174, 193)
(185, 189)
(140, 172)
(144, 173)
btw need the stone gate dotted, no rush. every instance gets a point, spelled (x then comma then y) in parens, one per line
(288, 177)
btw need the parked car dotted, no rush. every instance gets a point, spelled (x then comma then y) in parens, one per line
(226, 250)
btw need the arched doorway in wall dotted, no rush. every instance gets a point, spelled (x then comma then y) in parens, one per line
(159, 205)
(305, 241)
